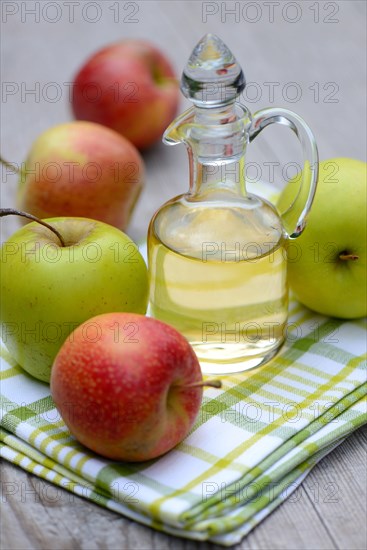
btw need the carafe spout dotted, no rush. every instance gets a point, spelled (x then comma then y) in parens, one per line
(179, 130)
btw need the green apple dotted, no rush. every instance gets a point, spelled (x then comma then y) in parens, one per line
(327, 263)
(47, 290)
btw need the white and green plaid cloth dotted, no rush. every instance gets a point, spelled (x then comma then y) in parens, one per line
(253, 442)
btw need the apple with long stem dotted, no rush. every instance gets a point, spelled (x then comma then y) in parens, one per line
(133, 393)
(56, 274)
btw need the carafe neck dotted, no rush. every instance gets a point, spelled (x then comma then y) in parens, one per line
(222, 175)
(216, 140)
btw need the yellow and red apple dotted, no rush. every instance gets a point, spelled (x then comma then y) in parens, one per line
(81, 169)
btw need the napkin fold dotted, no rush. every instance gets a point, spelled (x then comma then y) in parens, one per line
(253, 443)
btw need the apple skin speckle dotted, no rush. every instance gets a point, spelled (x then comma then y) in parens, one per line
(125, 396)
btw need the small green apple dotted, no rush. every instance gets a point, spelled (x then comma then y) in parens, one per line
(47, 290)
(327, 263)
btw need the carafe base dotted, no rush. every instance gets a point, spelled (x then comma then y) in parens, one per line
(228, 358)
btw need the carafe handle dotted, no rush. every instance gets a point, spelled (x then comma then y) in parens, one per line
(294, 217)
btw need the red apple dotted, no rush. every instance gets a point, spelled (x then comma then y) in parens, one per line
(133, 392)
(129, 87)
(81, 169)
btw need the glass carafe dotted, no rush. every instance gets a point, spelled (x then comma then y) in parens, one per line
(217, 254)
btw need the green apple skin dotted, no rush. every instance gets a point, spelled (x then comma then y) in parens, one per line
(336, 226)
(48, 290)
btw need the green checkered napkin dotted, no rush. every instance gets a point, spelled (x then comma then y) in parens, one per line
(253, 442)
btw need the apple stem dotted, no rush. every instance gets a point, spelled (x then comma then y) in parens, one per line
(13, 212)
(346, 256)
(209, 383)
(9, 165)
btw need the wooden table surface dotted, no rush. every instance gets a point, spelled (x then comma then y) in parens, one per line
(306, 56)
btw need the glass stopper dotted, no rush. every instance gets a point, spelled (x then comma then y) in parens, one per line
(212, 76)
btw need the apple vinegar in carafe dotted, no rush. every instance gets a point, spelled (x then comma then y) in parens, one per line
(228, 297)
(216, 254)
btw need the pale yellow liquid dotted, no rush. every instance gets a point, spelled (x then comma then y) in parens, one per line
(232, 312)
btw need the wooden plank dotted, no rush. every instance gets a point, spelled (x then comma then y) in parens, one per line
(337, 492)
(326, 512)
